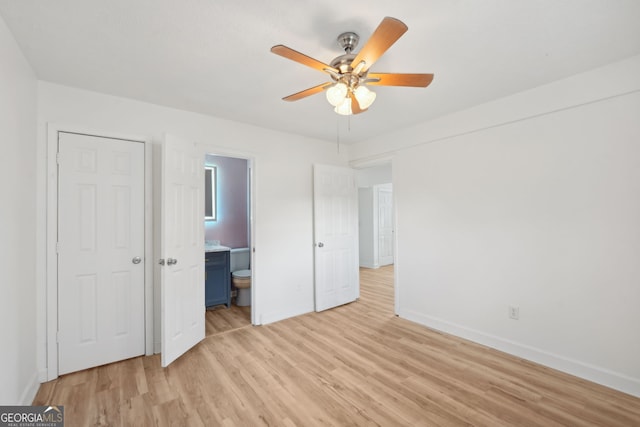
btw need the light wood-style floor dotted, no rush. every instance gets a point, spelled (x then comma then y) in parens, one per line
(221, 319)
(354, 365)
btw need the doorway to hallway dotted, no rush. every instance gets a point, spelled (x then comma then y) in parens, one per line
(376, 223)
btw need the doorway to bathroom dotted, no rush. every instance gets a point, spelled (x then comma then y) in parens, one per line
(228, 225)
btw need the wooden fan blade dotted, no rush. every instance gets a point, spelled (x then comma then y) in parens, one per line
(387, 33)
(355, 105)
(307, 92)
(391, 79)
(303, 59)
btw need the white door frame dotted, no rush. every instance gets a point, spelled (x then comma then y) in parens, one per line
(51, 280)
(217, 150)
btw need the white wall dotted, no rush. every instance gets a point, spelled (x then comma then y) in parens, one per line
(374, 175)
(18, 379)
(283, 271)
(531, 201)
(231, 227)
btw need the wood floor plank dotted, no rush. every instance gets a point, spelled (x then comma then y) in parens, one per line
(137, 411)
(357, 364)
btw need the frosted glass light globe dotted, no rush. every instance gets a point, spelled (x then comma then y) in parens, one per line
(344, 108)
(364, 96)
(336, 94)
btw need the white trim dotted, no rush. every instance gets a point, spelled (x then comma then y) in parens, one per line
(148, 247)
(396, 255)
(51, 289)
(369, 265)
(216, 150)
(50, 286)
(593, 373)
(30, 391)
(256, 301)
(371, 161)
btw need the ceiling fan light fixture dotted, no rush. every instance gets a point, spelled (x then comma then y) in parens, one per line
(344, 108)
(350, 72)
(364, 96)
(336, 94)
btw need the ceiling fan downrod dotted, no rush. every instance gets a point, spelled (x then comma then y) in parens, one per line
(348, 41)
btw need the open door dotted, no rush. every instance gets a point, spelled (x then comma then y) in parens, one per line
(335, 206)
(182, 248)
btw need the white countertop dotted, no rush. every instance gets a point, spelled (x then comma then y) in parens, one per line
(215, 248)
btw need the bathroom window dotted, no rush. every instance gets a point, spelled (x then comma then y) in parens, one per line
(210, 199)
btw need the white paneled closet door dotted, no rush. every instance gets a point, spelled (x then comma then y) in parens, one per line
(100, 251)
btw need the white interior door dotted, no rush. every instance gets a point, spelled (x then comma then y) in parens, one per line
(100, 251)
(385, 226)
(182, 248)
(335, 203)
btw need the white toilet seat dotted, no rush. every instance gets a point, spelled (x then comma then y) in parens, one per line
(243, 274)
(242, 281)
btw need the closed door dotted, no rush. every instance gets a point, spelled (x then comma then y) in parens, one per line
(385, 226)
(100, 251)
(335, 200)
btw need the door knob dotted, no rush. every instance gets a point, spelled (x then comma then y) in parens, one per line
(172, 261)
(136, 260)
(320, 245)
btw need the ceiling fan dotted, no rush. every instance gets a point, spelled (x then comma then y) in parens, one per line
(348, 91)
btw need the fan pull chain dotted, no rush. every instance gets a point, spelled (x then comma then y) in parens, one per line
(338, 130)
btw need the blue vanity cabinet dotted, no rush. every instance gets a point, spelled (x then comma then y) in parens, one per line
(217, 287)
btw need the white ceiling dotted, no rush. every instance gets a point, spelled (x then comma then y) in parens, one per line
(212, 56)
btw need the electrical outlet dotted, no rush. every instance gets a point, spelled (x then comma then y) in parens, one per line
(514, 312)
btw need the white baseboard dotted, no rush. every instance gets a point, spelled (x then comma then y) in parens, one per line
(580, 369)
(30, 391)
(369, 265)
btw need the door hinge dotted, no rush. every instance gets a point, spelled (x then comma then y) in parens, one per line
(57, 336)
(57, 247)
(58, 157)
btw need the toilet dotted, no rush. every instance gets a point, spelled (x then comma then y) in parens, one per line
(241, 275)
(241, 279)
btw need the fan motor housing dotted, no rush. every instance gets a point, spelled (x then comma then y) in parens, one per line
(343, 63)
